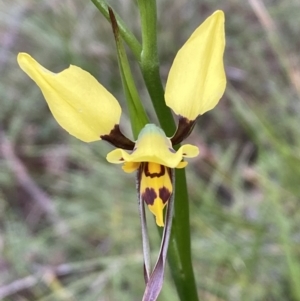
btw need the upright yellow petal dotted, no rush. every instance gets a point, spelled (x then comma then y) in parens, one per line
(197, 80)
(78, 102)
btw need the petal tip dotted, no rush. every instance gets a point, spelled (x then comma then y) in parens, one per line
(23, 58)
(219, 13)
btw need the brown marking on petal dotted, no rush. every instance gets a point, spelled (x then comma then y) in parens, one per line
(149, 196)
(116, 138)
(184, 129)
(154, 174)
(164, 194)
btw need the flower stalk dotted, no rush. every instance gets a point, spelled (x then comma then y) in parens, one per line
(149, 64)
(179, 257)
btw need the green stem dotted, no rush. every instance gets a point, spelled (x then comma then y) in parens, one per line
(179, 255)
(183, 237)
(126, 34)
(150, 65)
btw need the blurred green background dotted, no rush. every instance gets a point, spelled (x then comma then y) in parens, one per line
(69, 225)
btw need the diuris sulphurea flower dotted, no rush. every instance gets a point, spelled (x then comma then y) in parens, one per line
(84, 108)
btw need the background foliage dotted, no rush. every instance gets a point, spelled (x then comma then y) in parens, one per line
(69, 226)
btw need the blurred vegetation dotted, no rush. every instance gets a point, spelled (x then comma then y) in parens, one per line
(69, 225)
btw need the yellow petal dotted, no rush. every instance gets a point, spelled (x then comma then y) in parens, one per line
(182, 164)
(129, 167)
(78, 102)
(157, 209)
(197, 80)
(153, 146)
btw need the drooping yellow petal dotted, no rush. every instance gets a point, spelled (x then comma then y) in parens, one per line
(129, 167)
(153, 146)
(182, 164)
(197, 80)
(155, 188)
(78, 102)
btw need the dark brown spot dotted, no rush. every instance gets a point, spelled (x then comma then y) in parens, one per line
(114, 24)
(184, 129)
(149, 196)
(154, 174)
(116, 138)
(164, 194)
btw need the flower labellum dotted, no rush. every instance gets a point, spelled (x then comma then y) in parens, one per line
(155, 188)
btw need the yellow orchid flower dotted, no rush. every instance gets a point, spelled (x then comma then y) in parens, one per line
(154, 156)
(84, 108)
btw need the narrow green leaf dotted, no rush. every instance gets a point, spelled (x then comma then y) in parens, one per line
(138, 116)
